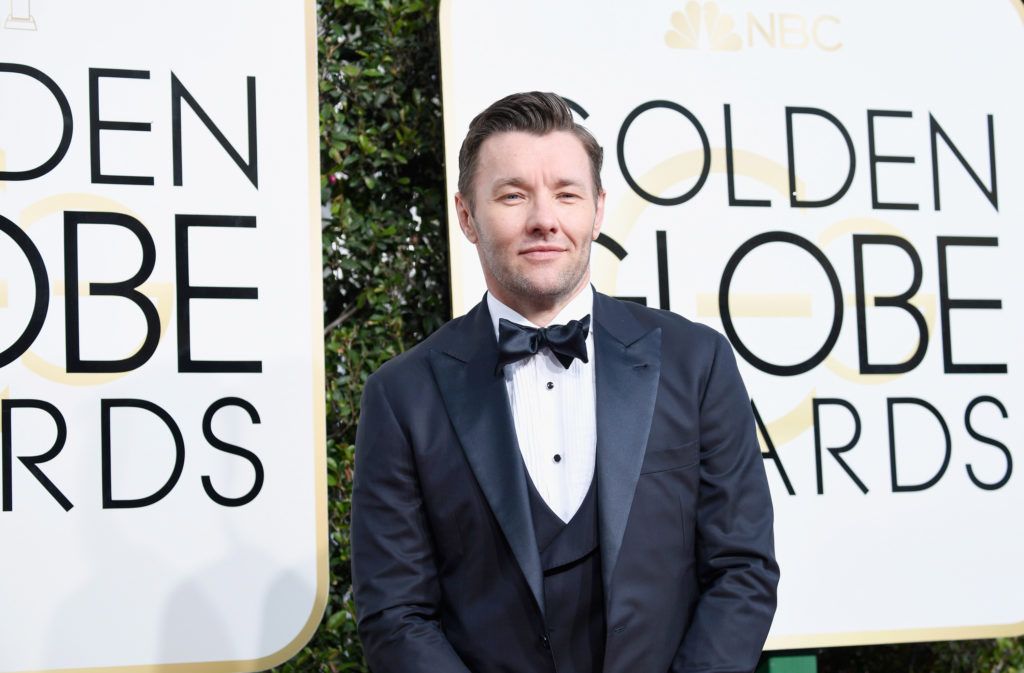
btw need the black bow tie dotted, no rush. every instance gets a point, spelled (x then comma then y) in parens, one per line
(516, 342)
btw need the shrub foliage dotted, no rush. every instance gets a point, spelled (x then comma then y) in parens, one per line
(384, 242)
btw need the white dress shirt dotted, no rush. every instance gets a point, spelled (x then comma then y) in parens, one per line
(554, 411)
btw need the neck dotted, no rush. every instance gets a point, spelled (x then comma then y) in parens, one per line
(540, 310)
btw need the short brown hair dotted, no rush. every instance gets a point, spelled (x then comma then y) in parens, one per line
(534, 112)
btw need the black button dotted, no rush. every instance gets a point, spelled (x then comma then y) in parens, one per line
(550, 385)
(547, 644)
(558, 457)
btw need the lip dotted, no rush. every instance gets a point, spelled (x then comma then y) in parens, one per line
(542, 252)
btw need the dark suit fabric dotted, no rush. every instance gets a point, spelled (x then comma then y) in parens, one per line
(446, 568)
(573, 591)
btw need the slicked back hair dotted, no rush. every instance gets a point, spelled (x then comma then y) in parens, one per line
(533, 112)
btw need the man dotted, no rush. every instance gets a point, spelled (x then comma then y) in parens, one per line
(585, 497)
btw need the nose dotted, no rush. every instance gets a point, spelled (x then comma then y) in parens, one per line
(543, 217)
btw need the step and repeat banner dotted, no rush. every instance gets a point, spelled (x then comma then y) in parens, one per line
(163, 496)
(836, 187)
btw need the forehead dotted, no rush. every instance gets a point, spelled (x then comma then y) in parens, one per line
(558, 155)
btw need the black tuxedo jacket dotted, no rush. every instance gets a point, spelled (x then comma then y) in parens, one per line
(446, 572)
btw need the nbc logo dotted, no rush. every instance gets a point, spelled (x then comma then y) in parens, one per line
(783, 30)
(686, 28)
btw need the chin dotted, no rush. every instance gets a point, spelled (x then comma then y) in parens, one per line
(552, 287)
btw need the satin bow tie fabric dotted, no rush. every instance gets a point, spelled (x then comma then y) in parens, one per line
(566, 342)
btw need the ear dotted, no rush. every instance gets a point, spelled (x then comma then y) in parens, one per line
(598, 216)
(465, 218)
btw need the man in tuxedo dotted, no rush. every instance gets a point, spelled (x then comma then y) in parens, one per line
(558, 481)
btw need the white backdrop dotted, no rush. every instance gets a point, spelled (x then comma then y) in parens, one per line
(225, 568)
(895, 546)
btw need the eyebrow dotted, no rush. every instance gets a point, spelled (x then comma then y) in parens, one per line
(507, 182)
(568, 182)
(519, 182)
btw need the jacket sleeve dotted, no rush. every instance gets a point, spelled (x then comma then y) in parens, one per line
(394, 576)
(734, 545)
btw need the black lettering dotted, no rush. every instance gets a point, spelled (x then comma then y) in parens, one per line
(576, 107)
(988, 486)
(186, 293)
(179, 93)
(42, 297)
(662, 271)
(614, 247)
(900, 301)
(126, 289)
(65, 113)
(816, 404)
(96, 125)
(793, 200)
(946, 305)
(904, 488)
(771, 454)
(705, 169)
(730, 328)
(31, 463)
(989, 192)
(875, 159)
(234, 450)
(730, 169)
(109, 501)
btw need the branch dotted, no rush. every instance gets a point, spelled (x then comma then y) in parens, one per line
(340, 319)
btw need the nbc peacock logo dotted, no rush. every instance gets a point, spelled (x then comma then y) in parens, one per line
(696, 18)
(703, 25)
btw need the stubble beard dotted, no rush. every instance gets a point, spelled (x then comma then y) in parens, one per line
(519, 284)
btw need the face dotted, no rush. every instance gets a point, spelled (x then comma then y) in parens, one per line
(533, 218)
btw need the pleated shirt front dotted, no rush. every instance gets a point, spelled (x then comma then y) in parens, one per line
(554, 411)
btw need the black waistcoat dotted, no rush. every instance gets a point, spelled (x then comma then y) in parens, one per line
(573, 592)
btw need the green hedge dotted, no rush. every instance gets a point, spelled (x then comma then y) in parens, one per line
(386, 280)
(384, 242)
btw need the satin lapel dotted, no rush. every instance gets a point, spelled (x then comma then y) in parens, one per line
(627, 365)
(478, 407)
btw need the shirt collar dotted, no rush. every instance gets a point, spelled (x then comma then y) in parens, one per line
(580, 305)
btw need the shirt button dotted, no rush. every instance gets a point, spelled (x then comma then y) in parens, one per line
(550, 385)
(558, 457)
